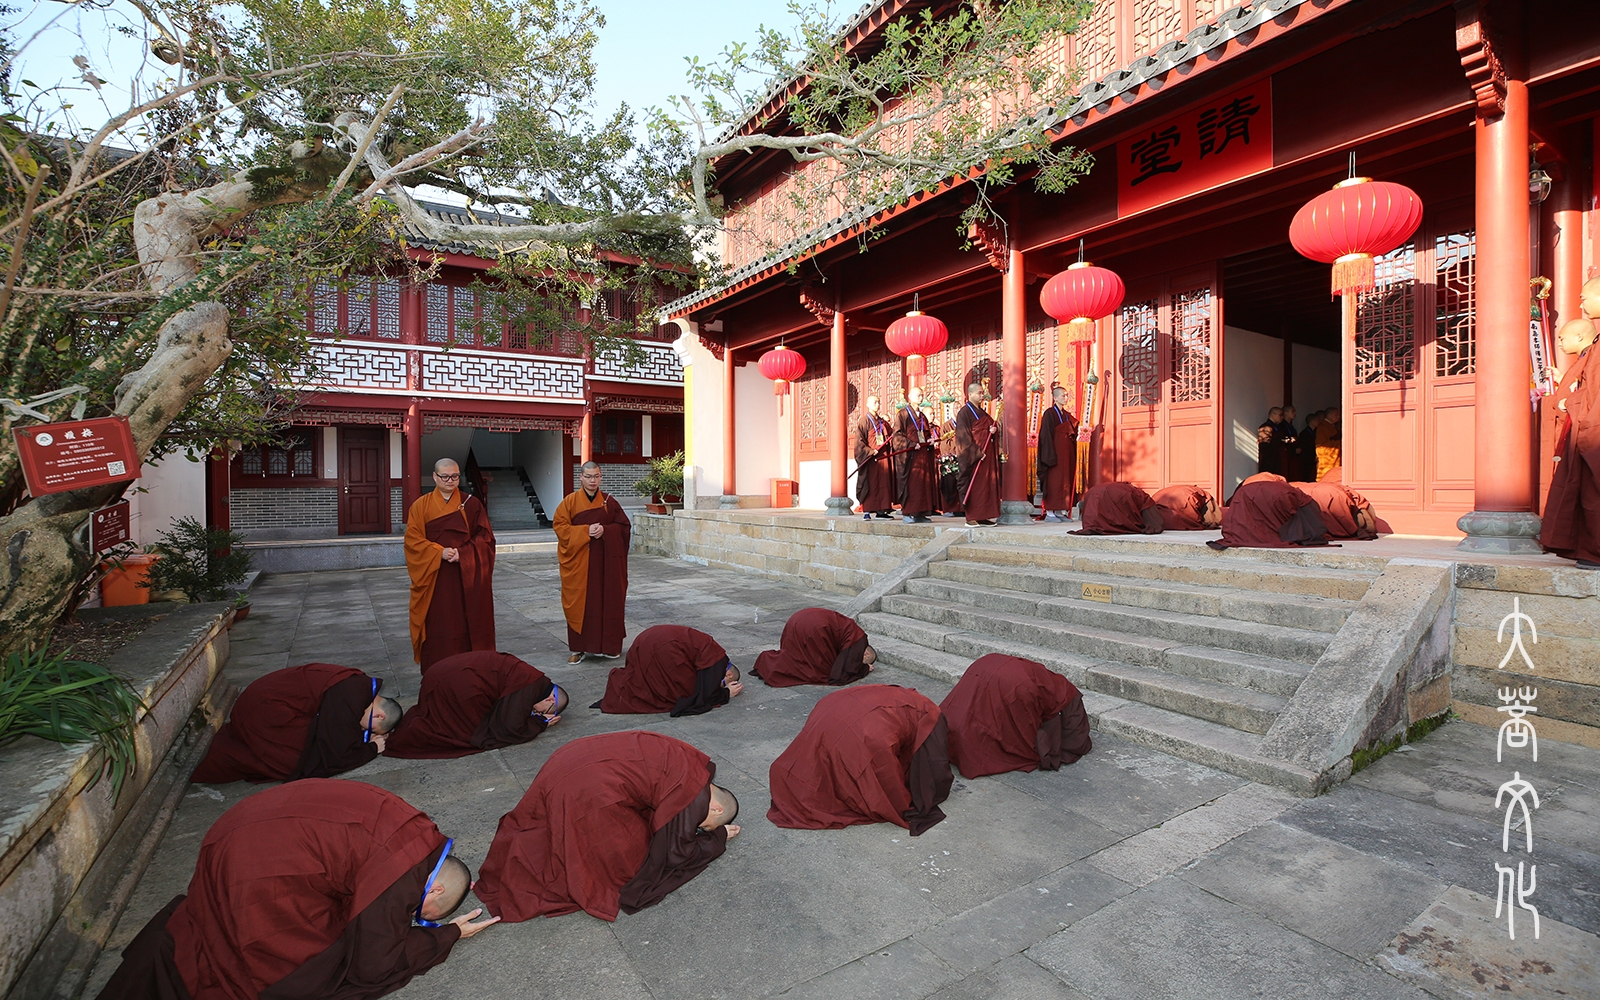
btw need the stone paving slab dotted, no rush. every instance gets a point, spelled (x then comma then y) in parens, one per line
(1056, 884)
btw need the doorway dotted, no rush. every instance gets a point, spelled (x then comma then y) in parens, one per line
(364, 489)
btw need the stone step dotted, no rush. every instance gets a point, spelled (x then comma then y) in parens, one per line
(1317, 614)
(1298, 645)
(1343, 557)
(1086, 642)
(1203, 568)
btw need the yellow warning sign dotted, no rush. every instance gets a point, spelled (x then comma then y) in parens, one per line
(1097, 592)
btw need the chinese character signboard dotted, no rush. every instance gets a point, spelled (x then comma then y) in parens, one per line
(110, 526)
(78, 453)
(1219, 141)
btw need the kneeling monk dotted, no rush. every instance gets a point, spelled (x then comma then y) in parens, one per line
(1345, 513)
(1011, 714)
(871, 754)
(313, 721)
(818, 646)
(1119, 509)
(673, 669)
(472, 702)
(615, 821)
(1267, 512)
(305, 890)
(1187, 508)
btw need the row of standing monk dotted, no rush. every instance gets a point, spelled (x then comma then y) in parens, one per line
(1307, 453)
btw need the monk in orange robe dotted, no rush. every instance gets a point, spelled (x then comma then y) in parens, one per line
(1571, 527)
(450, 556)
(592, 536)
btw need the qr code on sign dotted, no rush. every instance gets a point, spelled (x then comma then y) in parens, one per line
(116, 468)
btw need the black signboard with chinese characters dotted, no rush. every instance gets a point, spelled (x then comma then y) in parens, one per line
(77, 453)
(1211, 144)
(111, 526)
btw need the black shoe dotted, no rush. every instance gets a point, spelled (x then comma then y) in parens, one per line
(1588, 564)
(922, 519)
(885, 515)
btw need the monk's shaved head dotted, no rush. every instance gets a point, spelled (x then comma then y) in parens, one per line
(732, 673)
(561, 699)
(869, 656)
(388, 715)
(722, 799)
(446, 465)
(449, 888)
(589, 467)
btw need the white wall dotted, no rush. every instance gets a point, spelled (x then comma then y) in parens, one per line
(815, 484)
(1252, 366)
(1317, 380)
(702, 378)
(491, 448)
(757, 458)
(172, 488)
(540, 454)
(446, 442)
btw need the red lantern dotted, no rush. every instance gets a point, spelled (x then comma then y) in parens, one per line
(782, 366)
(1080, 295)
(1347, 227)
(915, 335)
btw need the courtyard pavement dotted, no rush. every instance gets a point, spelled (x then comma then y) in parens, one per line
(1130, 874)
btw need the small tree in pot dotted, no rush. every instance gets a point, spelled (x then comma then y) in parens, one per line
(663, 484)
(204, 563)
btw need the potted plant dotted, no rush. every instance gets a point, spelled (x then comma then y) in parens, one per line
(663, 484)
(202, 564)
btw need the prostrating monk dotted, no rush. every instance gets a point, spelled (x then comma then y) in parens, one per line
(450, 556)
(1187, 508)
(818, 646)
(1058, 457)
(875, 465)
(673, 669)
(1571, 527)
(978, 451)
(611, 822)
(313, 721)
(472, 702)
(1011, 714)
(870, 754)
(1345, 513)
(305, 890)
(592, 535)
(1119, 509)
(1267, 512)
(918, 437)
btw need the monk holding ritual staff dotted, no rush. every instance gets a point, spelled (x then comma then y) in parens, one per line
(918, 436)
(450, 556)
(875, 463)
(472, 702)
(1571, 526)
(818, 646)
(978, 451)
(673, 669)
(1057, 461)
(592, 535)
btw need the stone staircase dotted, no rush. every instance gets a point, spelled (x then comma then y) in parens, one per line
(511, 504)
(1175, 646)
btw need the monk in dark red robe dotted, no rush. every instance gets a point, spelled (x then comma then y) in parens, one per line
(1571, 527)
(304, 890)
(918, 437)
(450, 556)
(1011, 714)
(1120, 509)
(1345, 513)
(1057, 461)
(472, 702)
(818, 646)
(611, 822)
(1267, 512)
(592, 535)
(949, 471)
(875, 464)
(673, 669)
(978, 451)
(314, 721)
(871, 754)
(1187, 508)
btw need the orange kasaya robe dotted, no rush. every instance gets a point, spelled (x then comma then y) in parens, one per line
(594, 571)
(452, 604)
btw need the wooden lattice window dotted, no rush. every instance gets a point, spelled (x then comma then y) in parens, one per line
(1141, 375)
(1455, 305)
(438, 314)
(1155, 23)
(293, 458)
(1191, 346)
(1095, 42)
(324, 307)
(811, 411)
(372, 309)
(1386, 321)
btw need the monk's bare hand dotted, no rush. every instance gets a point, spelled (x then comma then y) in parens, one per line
(733, 830)
(378, 740)
(735, 689)
(551, 720)
(596, 530)
(468, 928)
(450, 555)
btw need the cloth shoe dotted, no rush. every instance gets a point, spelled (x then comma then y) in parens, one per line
(575, 658)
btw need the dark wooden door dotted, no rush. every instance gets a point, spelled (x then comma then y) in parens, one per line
(364, 493)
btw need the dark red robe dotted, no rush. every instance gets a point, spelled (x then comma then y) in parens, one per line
(919, 466)
(1057, 459)
(978, 451)
(818, 646)
(670, 668)
(304, 890)
(1571, 527)
(1120, 509)
(1183, 508)
(610, 822)
(1338, 504)
(875, 464)
(1266, 512)
(299, 722)
(877, 753)
(461, 615)
(469, 703)
(1011, 714)
(604, 624)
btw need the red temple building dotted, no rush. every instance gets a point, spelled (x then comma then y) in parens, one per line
(1210, 124)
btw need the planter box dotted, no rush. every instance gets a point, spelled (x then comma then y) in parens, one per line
(124, 586)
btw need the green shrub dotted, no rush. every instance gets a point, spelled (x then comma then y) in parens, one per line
(665, 477)
(202, 562)
(70, 701)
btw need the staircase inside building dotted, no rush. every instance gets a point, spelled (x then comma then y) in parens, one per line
(512, 501)
(1174, 646)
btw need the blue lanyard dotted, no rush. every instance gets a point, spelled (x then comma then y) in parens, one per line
(977, 414)
(367, 736)
(429, 884)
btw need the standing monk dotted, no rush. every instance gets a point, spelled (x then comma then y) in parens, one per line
(919, 466)
(450, 556)
(1058, 457)
(1571, 526)
(592, 535)
(875, 472)
(978, 449)
(1329, 442)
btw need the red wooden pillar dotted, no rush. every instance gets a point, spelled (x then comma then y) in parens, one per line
(1564, 246)
(218, 467)
(586, 438)
(838, 403)
(1014, 505)
(1505, 482)
(411, 457)
(730, 485)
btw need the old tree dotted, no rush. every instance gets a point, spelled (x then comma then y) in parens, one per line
(158, 253)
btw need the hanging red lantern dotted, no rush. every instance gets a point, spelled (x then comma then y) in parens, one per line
(916, 335)
(1080, 295)
(782, 366)
(1359, 220)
